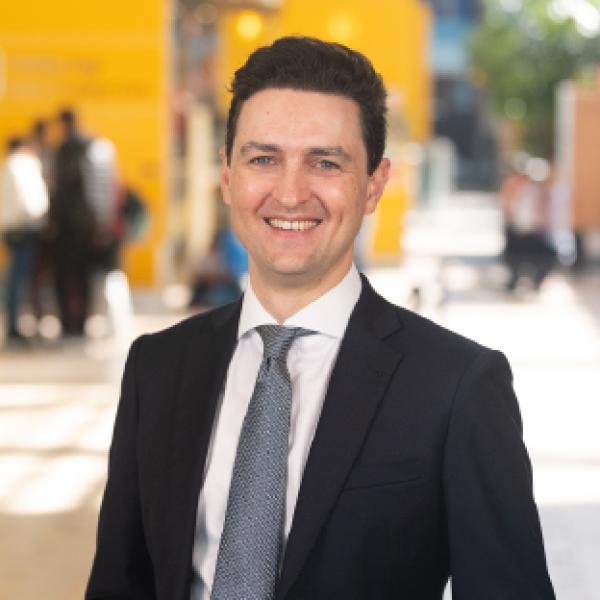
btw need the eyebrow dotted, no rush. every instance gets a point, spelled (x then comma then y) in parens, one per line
(336, 151)
(258, 146)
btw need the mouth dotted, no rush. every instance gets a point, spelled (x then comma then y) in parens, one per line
(293, 225)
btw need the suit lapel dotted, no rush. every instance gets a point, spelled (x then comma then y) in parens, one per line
(358, 382)
(204, 366)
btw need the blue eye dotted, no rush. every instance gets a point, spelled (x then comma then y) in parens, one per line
(261, 160)
(327, 164)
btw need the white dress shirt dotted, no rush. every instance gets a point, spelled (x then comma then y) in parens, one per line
(310, 362)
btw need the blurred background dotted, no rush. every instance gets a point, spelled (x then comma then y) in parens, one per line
(111, 116)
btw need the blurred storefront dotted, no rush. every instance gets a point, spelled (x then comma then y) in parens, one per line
(109, 61)
(461, 114)
(577, 134)
(152, 77)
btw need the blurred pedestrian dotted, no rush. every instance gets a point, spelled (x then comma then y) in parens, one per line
(218, 279)
(526, 207)
(74, 228)
(220, 276)
(23, 207)
(43, 267)
(103, 196)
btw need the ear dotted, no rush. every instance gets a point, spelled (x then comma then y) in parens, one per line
(376, 185)
(225, 177)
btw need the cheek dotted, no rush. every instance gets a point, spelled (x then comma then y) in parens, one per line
(248, 193)
(333, 194)
(345, 202)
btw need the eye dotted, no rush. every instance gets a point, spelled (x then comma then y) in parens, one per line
(327, 165)
(261, 160)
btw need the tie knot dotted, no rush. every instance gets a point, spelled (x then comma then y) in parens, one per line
(277, 339)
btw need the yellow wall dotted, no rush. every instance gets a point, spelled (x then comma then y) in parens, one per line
(108, 60)
(395, 36)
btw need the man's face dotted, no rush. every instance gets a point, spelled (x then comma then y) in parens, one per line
(298, 185)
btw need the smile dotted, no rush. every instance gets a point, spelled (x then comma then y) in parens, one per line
(292, 225)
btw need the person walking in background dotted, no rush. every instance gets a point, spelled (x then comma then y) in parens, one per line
(23, 208)
(89, 210)
(43, 267)
(103, 195)
(525, 202)
(220, 277)
(115, 207)
(73, 228)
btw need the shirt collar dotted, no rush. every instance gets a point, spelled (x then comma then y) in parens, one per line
(328, 314)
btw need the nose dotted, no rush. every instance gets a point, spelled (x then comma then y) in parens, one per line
(291, 188)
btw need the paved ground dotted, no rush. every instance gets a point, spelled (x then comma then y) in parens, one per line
(57, 404)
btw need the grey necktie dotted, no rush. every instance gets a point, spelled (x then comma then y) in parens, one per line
(249, 551)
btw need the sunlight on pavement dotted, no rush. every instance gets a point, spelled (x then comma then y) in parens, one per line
(567, 483)
(54, 440)
(55, 485)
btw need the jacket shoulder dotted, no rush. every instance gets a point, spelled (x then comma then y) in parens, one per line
(437, 338)
(429, 348)
(412, 330)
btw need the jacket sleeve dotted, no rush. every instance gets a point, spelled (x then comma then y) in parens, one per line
(122, 568)
(496, 546)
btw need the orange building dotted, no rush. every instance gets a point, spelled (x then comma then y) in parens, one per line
(109, 61)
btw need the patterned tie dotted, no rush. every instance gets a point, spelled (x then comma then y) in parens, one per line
(249, 551)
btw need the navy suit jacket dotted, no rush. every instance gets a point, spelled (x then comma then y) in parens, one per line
(417, 471)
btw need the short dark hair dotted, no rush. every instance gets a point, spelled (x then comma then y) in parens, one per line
(68, 117)
(39, 128)
(14, 143)
(310, 64)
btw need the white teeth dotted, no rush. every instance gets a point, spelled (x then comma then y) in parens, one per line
(292, 225)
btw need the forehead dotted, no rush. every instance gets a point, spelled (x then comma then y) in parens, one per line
(285, 116)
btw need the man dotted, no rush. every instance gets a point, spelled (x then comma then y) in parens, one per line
(404, 462)
(73, 226)
(23, 207)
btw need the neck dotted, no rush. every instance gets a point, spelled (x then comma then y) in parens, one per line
(282, 299)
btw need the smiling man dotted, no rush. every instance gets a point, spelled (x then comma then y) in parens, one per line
(313, 441)
(297, 178)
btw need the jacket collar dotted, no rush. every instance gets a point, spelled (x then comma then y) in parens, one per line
(360, 377)
(204, 363)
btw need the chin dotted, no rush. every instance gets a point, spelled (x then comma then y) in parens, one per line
(290, 271)
(294, 272)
